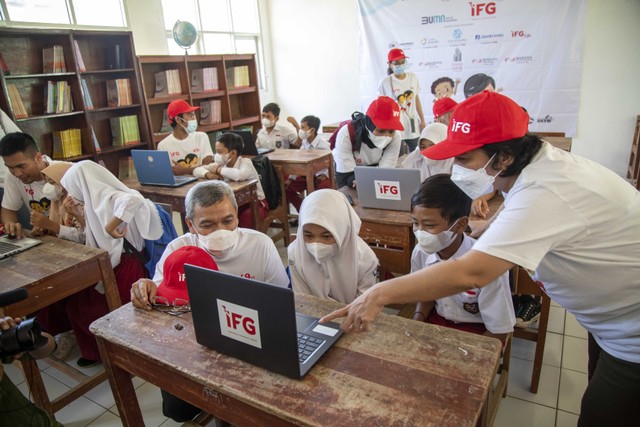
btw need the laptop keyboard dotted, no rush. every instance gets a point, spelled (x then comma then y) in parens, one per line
(307, 345)
(5, 248)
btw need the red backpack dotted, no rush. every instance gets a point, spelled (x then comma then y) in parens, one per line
(352, 135)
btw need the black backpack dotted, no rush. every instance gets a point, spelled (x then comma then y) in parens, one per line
(269, 180)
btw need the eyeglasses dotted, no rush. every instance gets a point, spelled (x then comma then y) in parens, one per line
(176, 307)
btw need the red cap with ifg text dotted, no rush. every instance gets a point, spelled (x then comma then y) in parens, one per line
(174, 284)
(396, 54)
(443, 106)
(485, 118)
(384, 112)
(179, 106)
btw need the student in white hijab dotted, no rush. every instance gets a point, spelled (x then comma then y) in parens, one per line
(431, 135)
(329, 259)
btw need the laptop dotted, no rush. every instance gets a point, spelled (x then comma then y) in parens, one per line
(154, 168)
(250, 148)
(10, 247)
(255, 322)
(386, 188)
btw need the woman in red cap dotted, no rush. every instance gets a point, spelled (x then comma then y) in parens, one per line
(571, 220)
(404, 87)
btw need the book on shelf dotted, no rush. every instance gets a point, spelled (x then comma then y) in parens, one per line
(166, 126)
(57, 97)
(67, 143)
(96, 143)
(238, 76)
(126, 168)
(211, 112)
(124, 130)
(118, 93)
(81, 67)
(4, 66)
(53, 60)
(16, 102)
(167, 83)
(204, 80)
(86, 94)
(116, 58)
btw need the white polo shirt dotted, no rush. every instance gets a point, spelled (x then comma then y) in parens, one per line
(491, 304)
(281, 136)
(346, 160)
(577, 224)
(187, 152)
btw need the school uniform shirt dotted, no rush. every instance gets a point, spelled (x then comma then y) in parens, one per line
(347, 274)
(346, 160)
(242, 170)
(427, 167)
(17, 194)
(187, 152)
(6, 126)
(404, 92)
(281, 136)
(491, 304)
(254, 256)
(319, 143)
(577, 224)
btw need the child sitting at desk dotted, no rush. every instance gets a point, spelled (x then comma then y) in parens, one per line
(330, 260)
(431, 135)
(440, 214)
(228, 165)
(273, 135)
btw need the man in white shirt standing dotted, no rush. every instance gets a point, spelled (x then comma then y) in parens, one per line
(273, 134)
(187, 148)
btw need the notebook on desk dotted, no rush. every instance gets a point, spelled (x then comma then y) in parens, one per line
(386, 188)
(256, 322)
(10, 247)
(154, 168)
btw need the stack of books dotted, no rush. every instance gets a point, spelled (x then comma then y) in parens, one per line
(211, 112)
(166, 126)
(57, 97)
(86, 94)
(53, 60)
(238, 76)
(118, 93)
(16, 102)
(124, 131)
(67, 143)
(204, 80)
(79, 60)
(167, 83)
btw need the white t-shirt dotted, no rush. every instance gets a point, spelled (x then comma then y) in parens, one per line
(17, 194)
(188, 152)
(319, 143)
(427, 167)
(6, 126)
(242, 170)
(491, 305)
(577, 224)
(254, 256)
(404, 92)
(281, 136)
(346, 160)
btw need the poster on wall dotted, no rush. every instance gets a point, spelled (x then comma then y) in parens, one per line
(532, 51)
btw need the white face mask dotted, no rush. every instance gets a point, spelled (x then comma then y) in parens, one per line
(219, 240)
(191, 127)
(221, 159)
(429, 162)
(432, 243)
(303, 134)
(379, 141)
(268, 123)
(52, 192)
(474, 183)
(322, 252)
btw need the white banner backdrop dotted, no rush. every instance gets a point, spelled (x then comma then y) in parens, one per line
(532, 49)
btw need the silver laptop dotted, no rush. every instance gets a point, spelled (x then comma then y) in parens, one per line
(386, 188)
(256, 322)
(154, 168)
(10, 247)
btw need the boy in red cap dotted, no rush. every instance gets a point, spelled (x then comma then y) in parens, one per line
(187, 148)
(375, 140)
(404, 87)
(442, 110)
(573, 221)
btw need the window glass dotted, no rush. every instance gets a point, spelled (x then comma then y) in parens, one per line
(174, 10)
(217, 43)
(49, 11)
(100, 13)
(214, 15)
(246, 45)
(245, 16)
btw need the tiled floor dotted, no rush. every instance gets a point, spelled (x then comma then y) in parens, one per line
(557, 403)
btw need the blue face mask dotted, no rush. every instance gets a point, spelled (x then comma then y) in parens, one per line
(191, 127)
(398, 70)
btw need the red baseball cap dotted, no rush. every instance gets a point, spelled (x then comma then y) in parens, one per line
(485, 118)
(173, 283)
(179, 106)
(384, 112)
(443, 106)
(396, 54)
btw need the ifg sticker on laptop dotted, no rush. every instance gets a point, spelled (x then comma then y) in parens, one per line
(239, 323)
(389, 190)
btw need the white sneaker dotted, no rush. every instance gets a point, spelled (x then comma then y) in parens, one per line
(65, 344)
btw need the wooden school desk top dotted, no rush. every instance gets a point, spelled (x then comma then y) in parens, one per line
(403, 373)
(297, 156)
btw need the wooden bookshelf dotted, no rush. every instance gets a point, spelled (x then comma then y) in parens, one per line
(106, 56)
(240, 106)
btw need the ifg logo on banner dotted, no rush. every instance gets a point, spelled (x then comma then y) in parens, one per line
(388, 190)
(239, 323)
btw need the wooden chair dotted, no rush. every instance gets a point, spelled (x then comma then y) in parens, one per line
(280, 215)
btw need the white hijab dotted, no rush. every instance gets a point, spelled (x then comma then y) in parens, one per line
(339, 276)
(104, 197)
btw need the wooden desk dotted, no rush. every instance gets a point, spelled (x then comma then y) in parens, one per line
(50, 272)
(246, 192)
(404, 373)
(389, 233)
(331, 127)
(304, 163)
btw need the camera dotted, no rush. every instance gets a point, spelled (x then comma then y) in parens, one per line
(26, 336)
